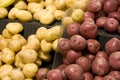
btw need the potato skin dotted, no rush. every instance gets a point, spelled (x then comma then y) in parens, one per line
(74, 72)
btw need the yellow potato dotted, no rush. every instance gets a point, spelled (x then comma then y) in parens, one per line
(66, 21)
(46, 17)
(3, 12)
(5, 70)
(15, 45)
(6, 33)
(32, 36)
(7, 56)
(14, 27)
(18, 62)
(38, 62)
(12, 13)
(70, 3)
(24, 15)
(21, 5)
(46, 46)
(28, 55)
(33, 44)
(53, 33)
(30, 70)
(49, 2)
(51, 8)
(59, 14)
(54, 44)
(19, 37)
(33, 1)
(60, 4)
(34, 7)
(1, 36)
(6, 78)
(44, 56)
(40, 33)
(3, 43)
(16, 74)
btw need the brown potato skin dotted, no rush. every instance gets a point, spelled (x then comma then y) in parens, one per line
(74, 72)
(100, 66)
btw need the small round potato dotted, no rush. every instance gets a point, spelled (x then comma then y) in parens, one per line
(46, 17)
(6, 33)
(3, 43)
(30, 70)
(24, 15)
(12, 13)
(21, 5)
(14, 27)
(7, 56)
(5, 70)
(3, 12)
(32, 36)
(60, 4)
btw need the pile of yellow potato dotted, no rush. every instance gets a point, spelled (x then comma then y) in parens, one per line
(21, 58)
(44, 11)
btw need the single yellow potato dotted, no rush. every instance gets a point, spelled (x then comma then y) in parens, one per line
(5, 70)
(16, 74)
(60, 4)
(12, 13)
(54, 44)
(7, 56)
(15, 45)
(32, 36)
(14, 27)
(30, 70)
(28, 55)
(53, 33)
(41, 32)
(20, 38)
(3, 43)
(24, 15)
(44, 56)
(3, 12)
(21, 5)
(46, 46)
(6, 33)
(77, 15)
(70, 3)
(59, 14)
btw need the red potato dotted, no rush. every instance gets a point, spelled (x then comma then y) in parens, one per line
(100, 66)
(65, 60)
(89, 20)
(100, 22)
(72, 55)
(64, 46)
(118, 2)
(102, 54)
(55, 74)
(89, 14)
(111, 25)
(115, 15)
(110, 6)
(108, 77)
(78, 42)
(118, 10)
(98, 78)
(83, 61)
(62, 66)
(73, 28)
(114, 60)
(112, 45)
(102, 1)
(90, 56)
(94, 6)
(115, 74)
(42, 73)
(74, 72)
(88, 76)
(118, 29)
(93, 46)
(88, 30)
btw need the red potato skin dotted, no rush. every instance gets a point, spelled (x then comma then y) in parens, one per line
(78, 42)
(88, 30)
(102, 54)
(115, 15)
(93, 46)
(73, 28)
(54, 74)
(90, 56)
(98, 78)
(115, 74)
(100, 66)
(72, 55)
(74, 72)
(83, 61)
(65, 60)
(88, 76)
(64, 46)
(114, 60)
(108, 77)
(61, 67)
(112, 45)
(100, 22)
(89, 14)
(89, 20)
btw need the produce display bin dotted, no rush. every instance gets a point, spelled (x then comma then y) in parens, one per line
(30, 28)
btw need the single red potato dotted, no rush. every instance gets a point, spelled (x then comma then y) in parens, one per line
(88, 76)
(115, 74)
